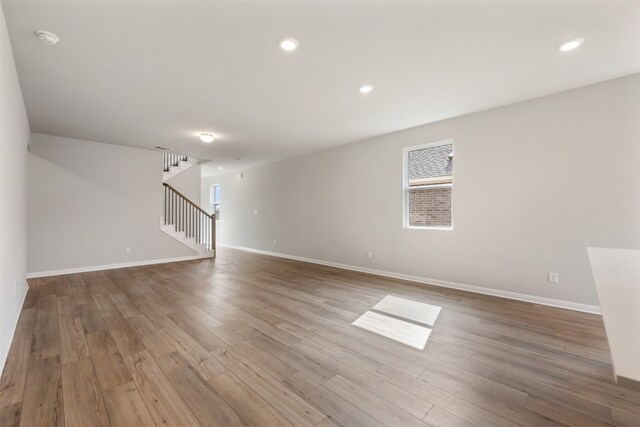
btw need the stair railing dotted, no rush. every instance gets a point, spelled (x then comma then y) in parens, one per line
(188, 217)
(171, 159)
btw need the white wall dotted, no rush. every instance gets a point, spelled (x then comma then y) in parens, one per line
(14, 137)
(88, 202)
(535, 183)
(188, 183)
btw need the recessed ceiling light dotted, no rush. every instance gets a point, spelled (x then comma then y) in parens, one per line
(47, 37)
(220, 167)
(288, 43)
(570, 44)
(206, 137)
(365, 88)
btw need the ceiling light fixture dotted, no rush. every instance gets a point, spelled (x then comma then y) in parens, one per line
(206, 137)
(365, 89)
(220, 167)
(47, 38)
(571, 45)
(288, 44)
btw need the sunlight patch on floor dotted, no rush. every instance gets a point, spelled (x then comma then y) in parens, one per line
(409, 309)
(414, 331)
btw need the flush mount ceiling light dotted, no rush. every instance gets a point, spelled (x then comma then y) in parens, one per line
(288, 44)
(570, 45)
(47, 38)
(365, 89)
(220, 167)
(206, 137)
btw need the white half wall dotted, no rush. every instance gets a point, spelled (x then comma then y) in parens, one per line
(535, 184)
(88, 202)
(14, 139)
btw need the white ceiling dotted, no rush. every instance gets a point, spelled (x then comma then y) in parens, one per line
(158, 73)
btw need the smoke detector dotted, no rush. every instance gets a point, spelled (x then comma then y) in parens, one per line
(47, 38)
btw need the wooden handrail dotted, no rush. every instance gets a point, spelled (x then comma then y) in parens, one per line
(187, 200)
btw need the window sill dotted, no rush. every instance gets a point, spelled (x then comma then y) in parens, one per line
(416, 227)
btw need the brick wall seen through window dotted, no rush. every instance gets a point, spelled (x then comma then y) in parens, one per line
(428, 185)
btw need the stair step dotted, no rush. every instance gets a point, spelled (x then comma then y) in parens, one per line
(181, 167)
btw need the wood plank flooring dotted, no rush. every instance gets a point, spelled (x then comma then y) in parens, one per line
(249, 340)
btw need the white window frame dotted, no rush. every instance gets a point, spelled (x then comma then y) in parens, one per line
(406, 188)
(212, 198)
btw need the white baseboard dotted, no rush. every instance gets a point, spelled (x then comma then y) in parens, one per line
(5, 352)
(594, 309)
(111, 266)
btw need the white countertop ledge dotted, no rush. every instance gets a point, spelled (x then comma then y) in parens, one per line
(617, 277)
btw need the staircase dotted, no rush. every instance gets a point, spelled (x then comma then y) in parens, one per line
(183, 219)
(176, 163)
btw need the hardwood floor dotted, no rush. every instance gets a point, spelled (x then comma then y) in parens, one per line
(251, 340)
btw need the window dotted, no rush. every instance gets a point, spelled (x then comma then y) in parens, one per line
(428, 183)
(214, 199)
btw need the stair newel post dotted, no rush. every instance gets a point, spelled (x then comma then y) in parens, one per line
(213, 233)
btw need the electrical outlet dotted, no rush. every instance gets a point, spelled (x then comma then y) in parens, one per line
(369, 254)
(255, 212)
(274, 243)
(553, 277)
(128, 250)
